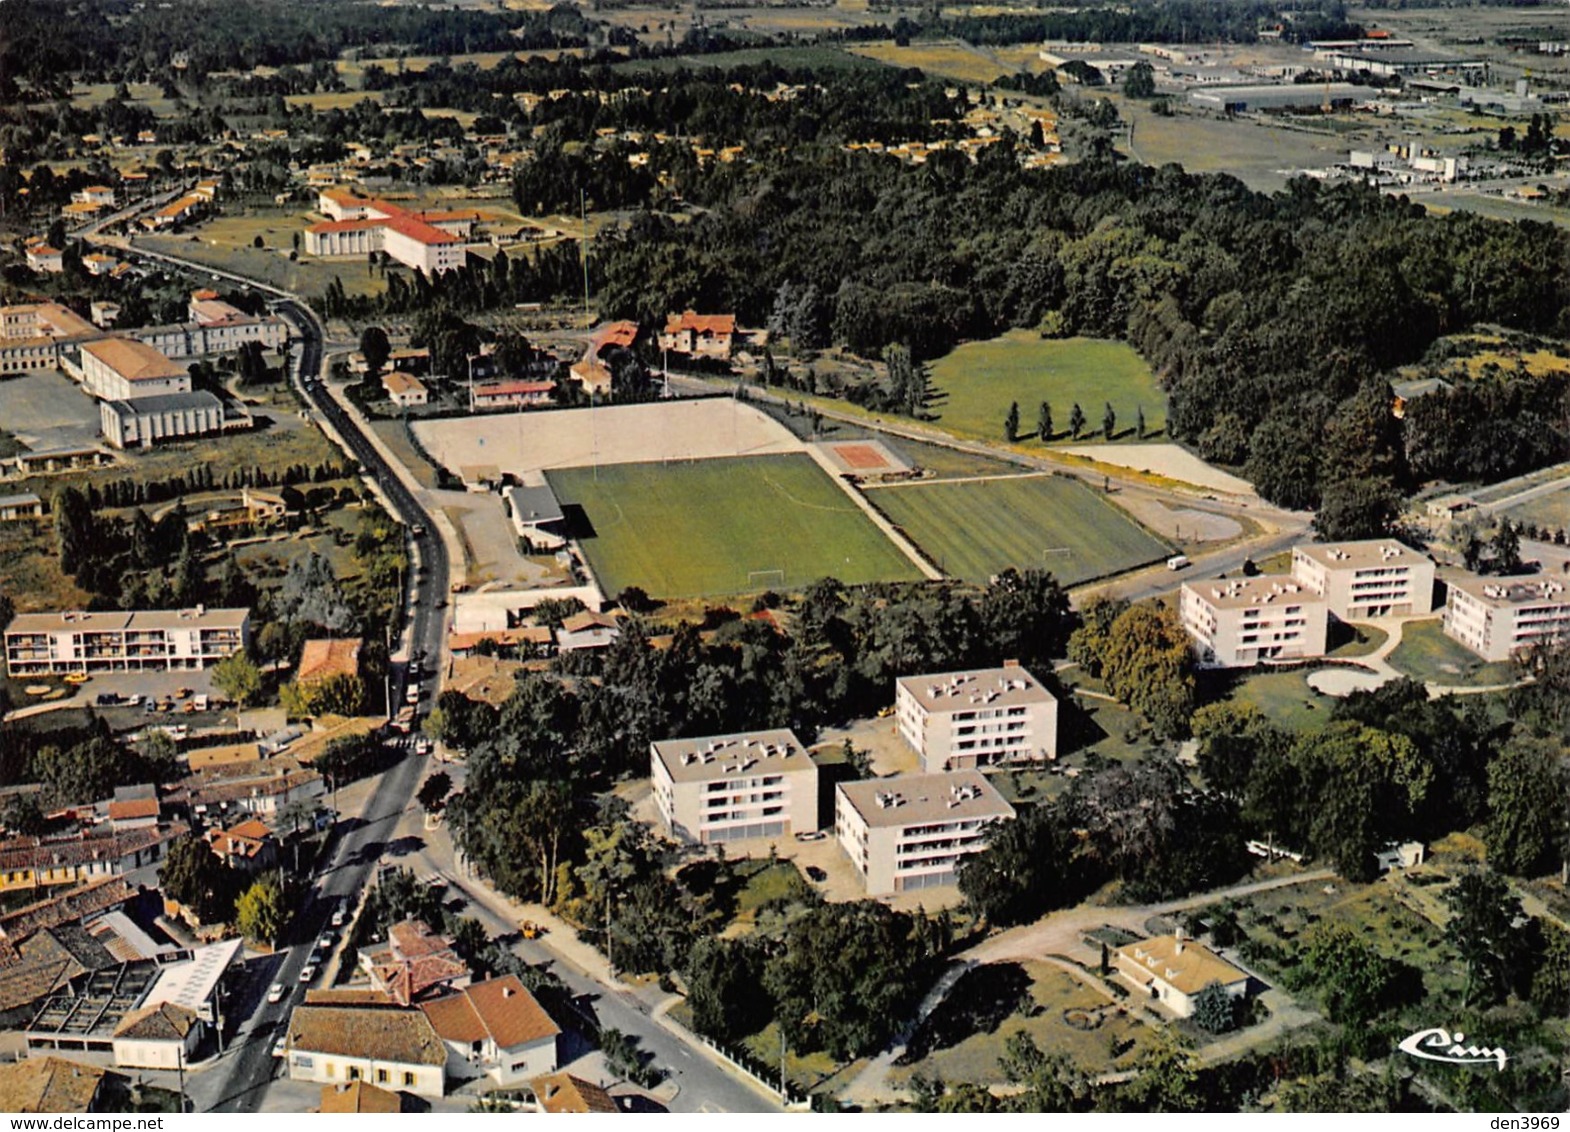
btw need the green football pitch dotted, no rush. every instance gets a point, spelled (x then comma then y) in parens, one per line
(724, 526)
(973, 529)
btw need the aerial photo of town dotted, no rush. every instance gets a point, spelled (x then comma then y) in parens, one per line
(785, 556)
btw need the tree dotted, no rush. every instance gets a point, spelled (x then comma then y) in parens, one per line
(1011, 423)
(723, 978)
(1167, 1080)
(1485, 927)
(260, 913)
(1140, 81)
(1357, 508)
(1527, 814)
(1050, 1082)
(238, 678)
(376, 349)
(1139, 421)
(1231, 737)
(1109, 422)
(1044, 423)
(1087, 646)
(433, 792)
(76, 536)
(1076, 421)
(23, 816)
(342, 693)
(1355, 983)
(193, 875)
(1505, 549)
(1148, 664)
(1214, 1009)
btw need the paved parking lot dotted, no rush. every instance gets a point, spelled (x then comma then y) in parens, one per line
(47, 410)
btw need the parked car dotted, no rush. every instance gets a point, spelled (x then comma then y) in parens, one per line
(816, 875)
(275, 992)
(77, 678)
(340, 915)
(814, 835)
(308, 972)
(281, 1046)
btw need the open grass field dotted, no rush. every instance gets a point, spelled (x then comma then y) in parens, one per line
(964, 1039)
(333, 100)
(974, 386)
(1254, 152)
(1426, 654)
(972, 529)
(1551, 510)
(725, 526)
(953, 60)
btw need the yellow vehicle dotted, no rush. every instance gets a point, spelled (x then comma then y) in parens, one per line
(531, 930)
(77, 678)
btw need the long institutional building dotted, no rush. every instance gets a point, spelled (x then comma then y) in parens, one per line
(734, 787)
(40, 644)
(984, 717)
(431, 242)
(1497, 617)
(910, 832)
(1240, 622)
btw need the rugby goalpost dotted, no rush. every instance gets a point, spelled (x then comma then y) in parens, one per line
(765, 579)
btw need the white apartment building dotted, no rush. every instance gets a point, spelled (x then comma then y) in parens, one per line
(980, 718)
(909, 832)
(1497, 617)
(731, 787)
(427, 241)
(1373, 578)
(37, 644)
(1238, 622)
(121, 369)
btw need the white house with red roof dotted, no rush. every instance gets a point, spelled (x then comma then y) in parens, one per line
(427, 241)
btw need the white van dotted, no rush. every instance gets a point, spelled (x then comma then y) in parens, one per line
(1178, 562)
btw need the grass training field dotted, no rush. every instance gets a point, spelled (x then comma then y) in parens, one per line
(972, 529)
(975, 384)
(951, 60)
(725, 526)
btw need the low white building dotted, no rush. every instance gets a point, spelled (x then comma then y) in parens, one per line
(495, 1029)
(404, 391)
(1498, 617)
(1239, 622)
(1172, 971)
(1371, 578)
(984, 717)
(172, 416)
(394, 1048)
(910, 832)
(733, 787)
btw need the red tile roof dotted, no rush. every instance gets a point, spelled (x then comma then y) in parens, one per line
(500, 1009)
(327, 657)
(562, 1092)
(136, 808)
(700, 323)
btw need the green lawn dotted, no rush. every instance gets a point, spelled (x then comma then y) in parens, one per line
(819, 58)
(1426, 654)
(1286, 699)
(973, 529)
(974, 386)
(724, 526)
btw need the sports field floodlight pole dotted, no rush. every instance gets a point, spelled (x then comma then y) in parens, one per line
(470, 359)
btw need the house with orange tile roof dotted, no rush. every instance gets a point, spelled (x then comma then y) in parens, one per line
(1172, 970)
(414, 963)
(562, 1092)
(327, 657)
(390, 1047)
(249, 846)
(424, 240)
(358, 1096)
(699, 335)
(495, 1029)
(123, 369)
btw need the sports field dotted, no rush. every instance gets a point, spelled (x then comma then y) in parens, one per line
(975, 385)
(725, 526)
(973, 529)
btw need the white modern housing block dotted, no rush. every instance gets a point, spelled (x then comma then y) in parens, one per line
(1497, 617)
(909, 832)
(1238, 622)
(731, 787)
(38, 644)
(1374, 578)
(984, 717)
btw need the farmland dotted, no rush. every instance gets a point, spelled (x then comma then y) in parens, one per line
(724, 526)
(953, 60)
(974, 386)
(972, 529)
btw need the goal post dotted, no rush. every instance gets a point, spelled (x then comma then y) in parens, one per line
(1052, 554)
(765, 579)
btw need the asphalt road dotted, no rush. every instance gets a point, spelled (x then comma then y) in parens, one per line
(236, 1082)
(703, 1086)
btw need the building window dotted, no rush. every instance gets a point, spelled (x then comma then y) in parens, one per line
(408, 1079)
(381, 1076)
(354, 1073)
